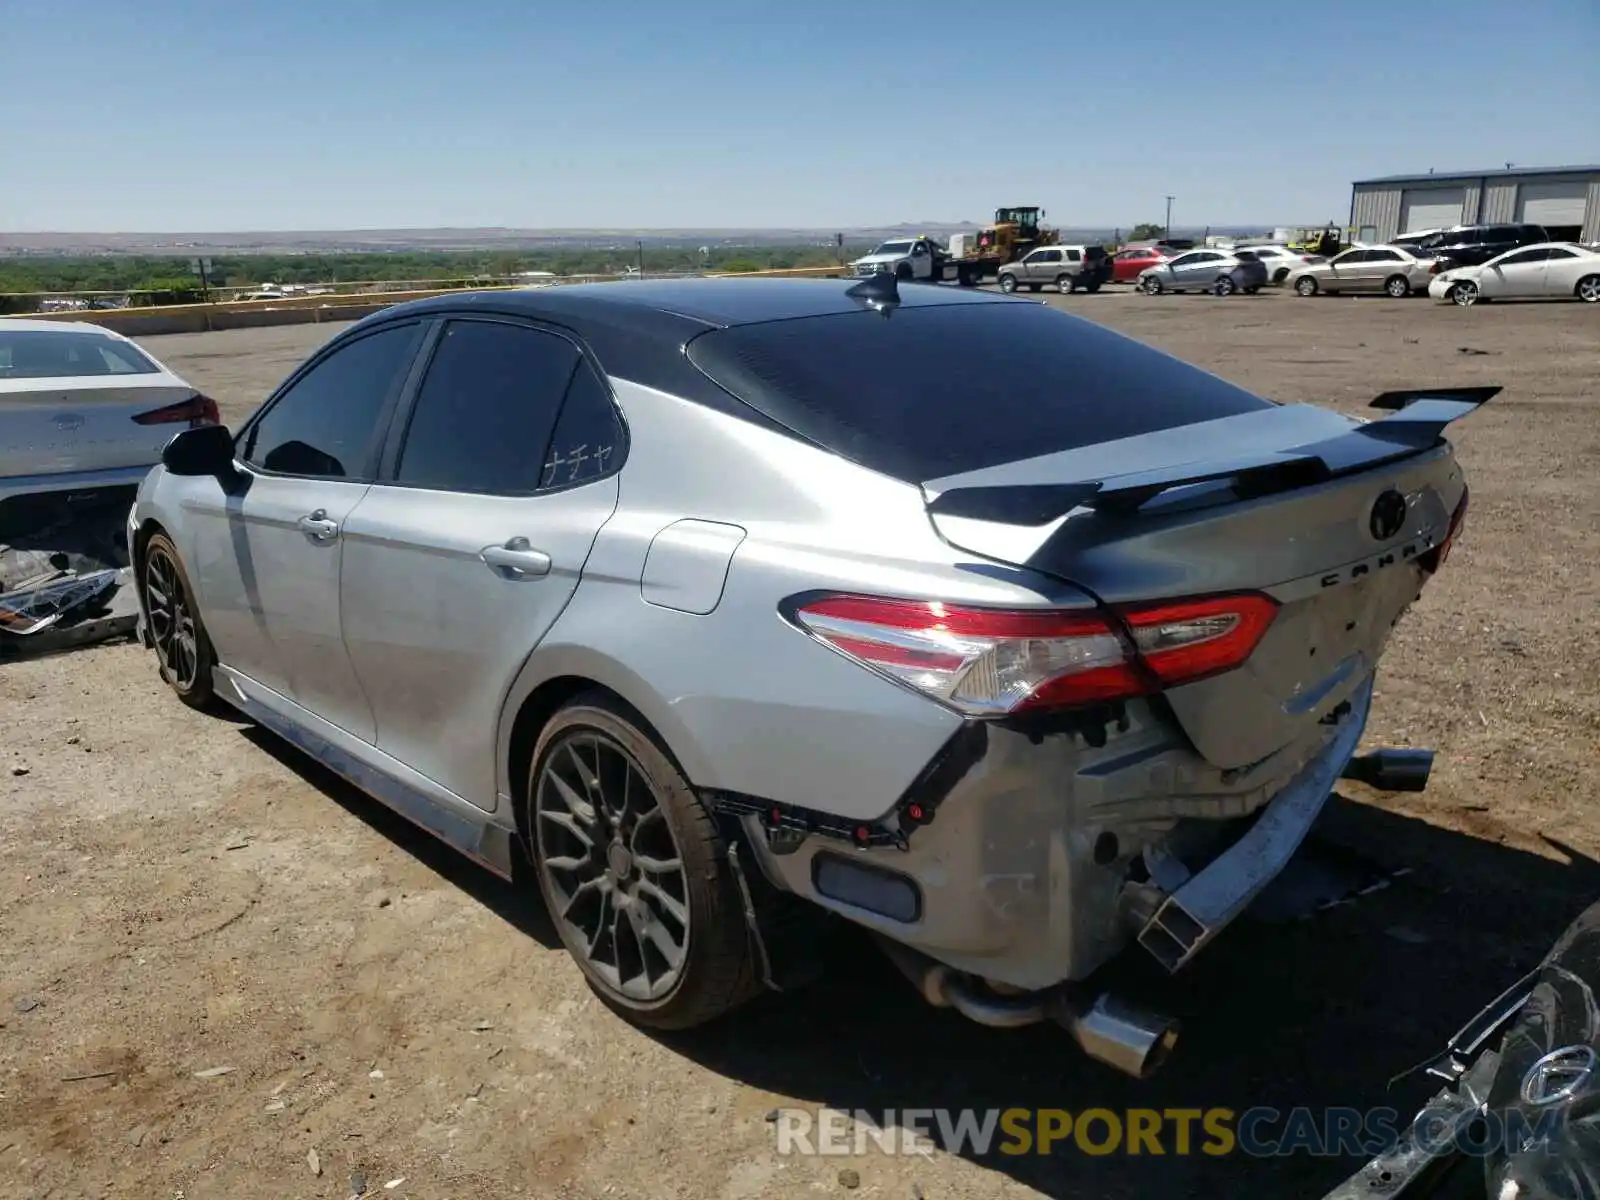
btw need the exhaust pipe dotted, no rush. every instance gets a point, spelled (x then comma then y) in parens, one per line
(1106, 1027)
(1119, 1034)
(1391, 770)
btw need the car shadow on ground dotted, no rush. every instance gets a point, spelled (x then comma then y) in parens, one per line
(518, 904)
(1317, 1013)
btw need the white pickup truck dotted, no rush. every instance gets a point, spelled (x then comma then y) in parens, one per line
(921, 259)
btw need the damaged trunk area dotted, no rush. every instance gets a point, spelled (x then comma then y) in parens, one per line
(65, 575)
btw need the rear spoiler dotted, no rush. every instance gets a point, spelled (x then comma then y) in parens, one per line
(1416, 422)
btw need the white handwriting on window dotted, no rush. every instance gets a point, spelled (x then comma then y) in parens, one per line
(573, 460)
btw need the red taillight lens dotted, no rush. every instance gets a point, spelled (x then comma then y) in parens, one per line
(197, 410)
(1436, 558)
(991, 662)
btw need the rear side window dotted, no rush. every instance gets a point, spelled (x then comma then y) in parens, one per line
(58, 354)
(488, 404)
(919, 393)
(588, 439)
(326, 423)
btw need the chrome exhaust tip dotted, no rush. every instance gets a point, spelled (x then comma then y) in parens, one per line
(1107, 1028)
(1120, 1034)
(1392, 770)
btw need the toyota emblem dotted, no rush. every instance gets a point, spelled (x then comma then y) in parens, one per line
(1388, 515)
(1559, 1075)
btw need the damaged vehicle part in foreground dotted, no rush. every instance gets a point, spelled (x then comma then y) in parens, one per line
(813, 595)
(1519, 1113)
(84, 415)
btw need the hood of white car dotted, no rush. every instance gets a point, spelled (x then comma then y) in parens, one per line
(869, 259)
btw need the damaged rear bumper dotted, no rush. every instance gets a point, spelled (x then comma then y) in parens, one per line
(65, 578)
(1051, 855)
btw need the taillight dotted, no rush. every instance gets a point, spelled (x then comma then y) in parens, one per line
(197, 410)
(1435, 267)
(1436, 558)
(992, 662)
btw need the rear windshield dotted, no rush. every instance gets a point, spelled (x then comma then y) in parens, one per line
(55, 354)
(923, 392)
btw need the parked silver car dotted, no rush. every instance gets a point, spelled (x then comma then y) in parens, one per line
(713, 597)
(1394, 270)
(1221, 271)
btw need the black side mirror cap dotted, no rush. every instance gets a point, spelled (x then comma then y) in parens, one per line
(201, 450)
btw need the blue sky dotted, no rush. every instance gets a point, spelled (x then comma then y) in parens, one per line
(211, 115)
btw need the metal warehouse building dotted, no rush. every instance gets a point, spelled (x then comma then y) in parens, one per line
(1565, 200)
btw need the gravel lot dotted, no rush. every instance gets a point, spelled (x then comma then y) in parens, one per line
(179, 894)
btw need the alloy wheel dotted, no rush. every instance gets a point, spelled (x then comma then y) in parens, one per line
(1589, 289)
(172, 626)
(1465, 293)
(612, 867)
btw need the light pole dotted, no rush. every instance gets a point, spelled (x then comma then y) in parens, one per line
(1168, 232)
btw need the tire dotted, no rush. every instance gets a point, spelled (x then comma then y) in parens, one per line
(1150, 285)
(1066, 285)
(1588, 289)
(601, 793)
(1306, 286)
(1251, 291)
(1398, 286)
(184, 653)
(1094, 287)
(1464, 294)
(1224, 286)
(1008, 283)
(903, 272)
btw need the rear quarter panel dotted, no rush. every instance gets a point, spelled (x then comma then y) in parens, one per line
(745, 701)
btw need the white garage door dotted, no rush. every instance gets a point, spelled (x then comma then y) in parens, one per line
(1552, 203)
(1431, 208)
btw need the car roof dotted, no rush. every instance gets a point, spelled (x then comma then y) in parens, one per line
(13, 324)
(637, 329)
(708, 303)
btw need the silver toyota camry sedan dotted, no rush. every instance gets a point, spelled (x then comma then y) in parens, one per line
(725, 605)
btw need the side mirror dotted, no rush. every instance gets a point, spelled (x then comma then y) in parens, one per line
(203, 450)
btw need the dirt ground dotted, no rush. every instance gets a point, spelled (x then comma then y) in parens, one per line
(182, 895)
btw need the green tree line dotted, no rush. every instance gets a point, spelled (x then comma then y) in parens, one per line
(161, 277)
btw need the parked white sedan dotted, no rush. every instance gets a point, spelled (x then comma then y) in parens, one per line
(1281, 261)
(1394, 270)
(1547, 271)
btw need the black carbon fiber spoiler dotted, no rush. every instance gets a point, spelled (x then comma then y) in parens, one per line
(1416, 422)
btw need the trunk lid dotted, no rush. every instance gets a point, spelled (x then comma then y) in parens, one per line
(52, 426)
(1327, 515)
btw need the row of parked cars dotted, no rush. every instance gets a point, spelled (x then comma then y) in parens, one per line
(1463, 265)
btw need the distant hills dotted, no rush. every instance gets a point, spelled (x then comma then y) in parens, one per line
(378, 241)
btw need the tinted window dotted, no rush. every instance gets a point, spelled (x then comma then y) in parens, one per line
(48, 354)
(1074, 256)
(487, 405)
(1246, 256)
(934, 391)
(325, 424)
(1524, 256)
(588, 441)
(1560, 254)
(1350, 258)
(1383, 256)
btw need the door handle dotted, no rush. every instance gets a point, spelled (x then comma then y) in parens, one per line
(317, 526)
(516, 559)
